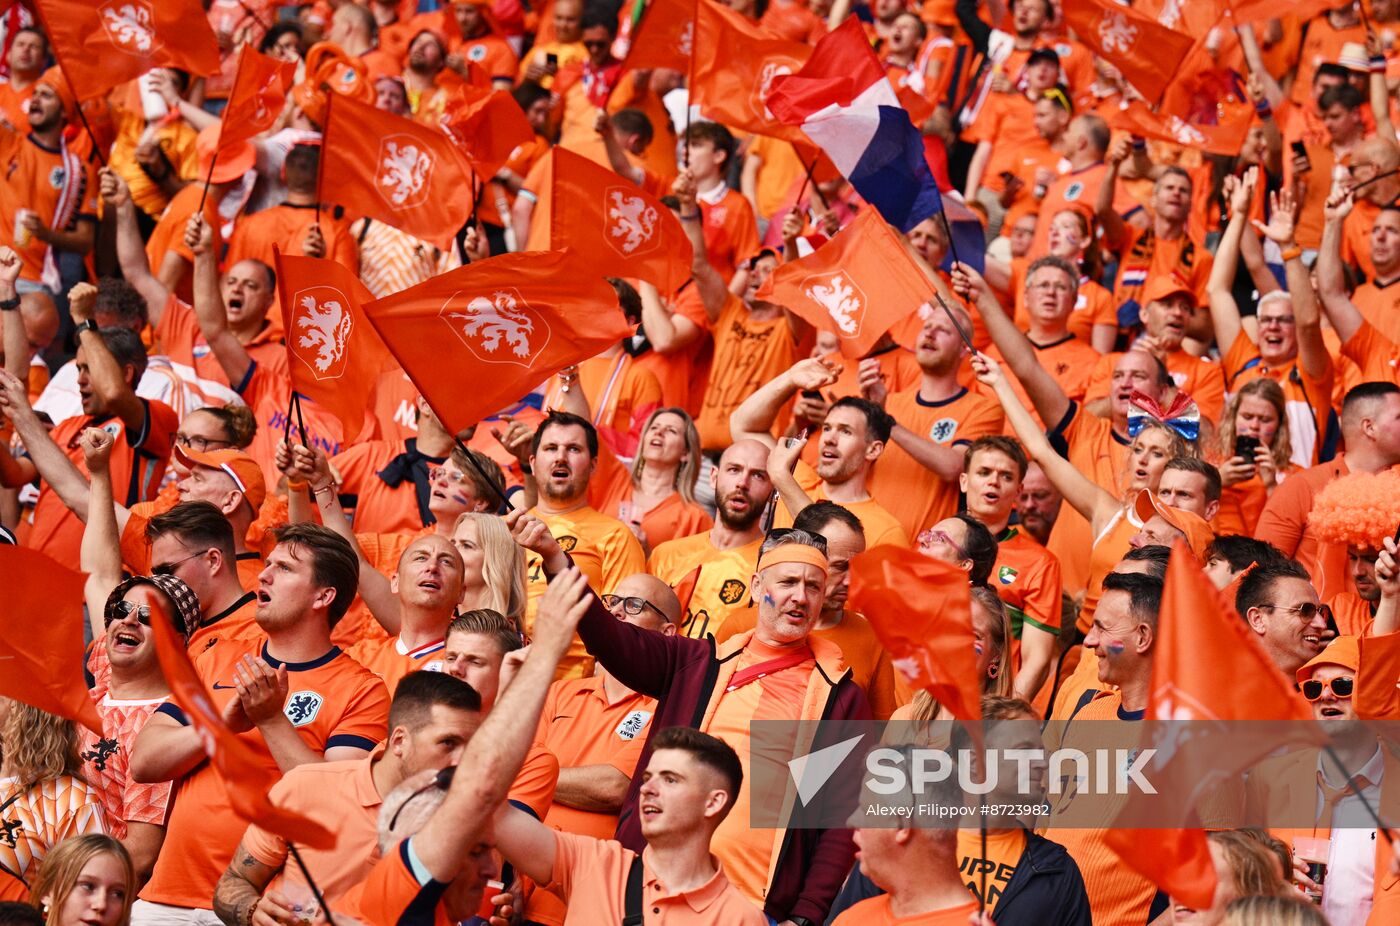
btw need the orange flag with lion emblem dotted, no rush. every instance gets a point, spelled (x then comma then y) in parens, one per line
(736, 61)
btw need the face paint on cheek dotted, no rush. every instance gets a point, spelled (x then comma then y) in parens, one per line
(460, 499)
(768, 601)
(1115, 647)
(977, 648)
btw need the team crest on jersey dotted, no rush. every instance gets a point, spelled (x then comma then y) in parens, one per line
(567, 543)
(478, 53)
(1074, 191)
(113, 428)
(634, 723)
(56, 176)
(302, 707)
(1006, 575)
(943, 430)
(732, 591)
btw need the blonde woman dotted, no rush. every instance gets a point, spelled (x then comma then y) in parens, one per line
(1252, 454)
(494, 566)
(656, 497)
(85, 881)
(43, 797)
(1272, 911)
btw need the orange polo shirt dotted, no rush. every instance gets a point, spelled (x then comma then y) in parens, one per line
(875, 911)
(391, 660)
(912, 493)
(880, 526)
(592, 875)
(1077, 188)
(721, 586)
(397, 889)
(1284, 523)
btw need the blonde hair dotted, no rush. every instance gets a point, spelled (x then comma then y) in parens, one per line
(38, 746)
(503, 565)
(1268, 390)
(689, 468)
(64, 864)
(925, 709)
(1253, 868)
(1272, 911)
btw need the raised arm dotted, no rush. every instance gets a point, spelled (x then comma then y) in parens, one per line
(616, 156)
(1109, 219)
(100, 555)
(46, 459)
(667, 331)
(1380, 93)
(1224, 312)
(753, 420)
(105, 374)
(16, 341)
(1346, 317)
(713, 292)
(1388, 578)
(131, 252)
(1088, 498)
(1312, 350)
(782, 458)
(209, 303)
(947, 461)
(1249, 45)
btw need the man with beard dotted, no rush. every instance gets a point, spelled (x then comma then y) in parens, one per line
(562, 458)
(722, 559)
(852, 437)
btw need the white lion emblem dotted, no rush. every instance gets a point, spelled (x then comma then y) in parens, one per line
(771, 69)
(497, 323)
(323, 327)
(686, 43)
(629, 219)
(404, 169)
(842, 301)
(1185, 132)
(130, 26)
(1116, 33)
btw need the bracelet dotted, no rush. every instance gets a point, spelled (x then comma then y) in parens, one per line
(9, 305)
(693, 217)
(1263, 110)
(328, 487)
(297, 485)
(1292, 253)
(1377, 64)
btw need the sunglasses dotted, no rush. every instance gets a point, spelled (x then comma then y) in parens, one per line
(1341, 686)
(1306, 611)
(631, 605)
(123, 610)
(168, 569)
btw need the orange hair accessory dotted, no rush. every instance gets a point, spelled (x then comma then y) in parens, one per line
(794, 553)
(1359, 509)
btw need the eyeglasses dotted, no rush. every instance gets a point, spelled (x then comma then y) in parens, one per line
(443, 779)
(123, 609)
(1282, 321)
(199, 444)
(931, 536)
(1052, 287)
(631, 605)
(454, 475)
(1342, 687)
(168, 569)
(1306, 611)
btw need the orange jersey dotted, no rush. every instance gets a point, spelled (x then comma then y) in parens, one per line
(332, 701)
(879, 525)
(138, 464)
(1006, 122)
(489, 52)
(1144, 256)
(1027, 578)
(175, 141)
(1070, 361)
(39, 817)
(620, 393)
(722, 585)
(391, 660)
(38, 179)
(180, 339)
(14, 105)
(397, 890)
(1094, 305)
(748, 353)
(1284, 523)
(378, 507)
(731, 232)
(1076, 189)
(285, 226)
(875, 911)
(1379, 304)
(682, 374)
(169, 234)
(267, 393)
(1202, 379)
(1356, 238)
(1307, 401)
(780, 168)
(107, 760)
(914, 494)
(1322, 43)
(1375, 354)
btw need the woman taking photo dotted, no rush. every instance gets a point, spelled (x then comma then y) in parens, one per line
(1252, 454)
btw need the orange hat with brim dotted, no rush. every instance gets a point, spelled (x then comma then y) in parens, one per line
(234, 161)
(1164, 287)
(245, 472)
(1344, 651)
(53, 79)
(1197, 531)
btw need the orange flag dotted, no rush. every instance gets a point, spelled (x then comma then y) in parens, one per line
(665, 38)
(1124, 36)
(487, 124)
(259, 92)
(1378, 678)
(685, 590)
(476, 339)
(735, 63)
(1226, 135)
(390, 168)
(103, 43)
(246, 778)
(334, 355)
(41, 653)
(920, 610)
(1196, 618)
(612, 224)
(1250, 11)
(858, 285)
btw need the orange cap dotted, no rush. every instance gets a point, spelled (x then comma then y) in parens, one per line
(234, 161)
(53, 79)
(1344, 651)
(246, 474)
(1197, 531)
(1164, 287)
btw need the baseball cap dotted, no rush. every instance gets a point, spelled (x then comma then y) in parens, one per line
(1344, 651)
(241, 468)
(234, 161)
(1353, 57)
(1164, 287)
(1197, 531)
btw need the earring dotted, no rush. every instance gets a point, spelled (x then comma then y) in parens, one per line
(992, 670)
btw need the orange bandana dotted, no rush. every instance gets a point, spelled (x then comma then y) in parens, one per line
(793, 553)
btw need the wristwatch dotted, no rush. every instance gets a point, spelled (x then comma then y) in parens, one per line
(88, 325)
(9, 305)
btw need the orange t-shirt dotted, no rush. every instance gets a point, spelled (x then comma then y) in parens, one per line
(169, 233)
(731, 232)
(378, 508)
(267, 393)
(489, 52)
(138, 464)
(620, 393)
(999, 859)
(1356, 237)
(1077, 188)
(748, 353)
(36, 179)
(1352, 613)
(875, 911)
(1007, 122)
(285, 226)
(780, 169)
(880, 526)
(1379, 304)
(674, 517)
(332, 701)
(721, 586)
(1284, 523)
(391, 660)
(107, 764)
(916, 495)
(180, 339)
(14, 105)
(1322, 43)
(1094, 305)
(1143, 256)
(1375, 354)
(398, 889)
(1070, 361)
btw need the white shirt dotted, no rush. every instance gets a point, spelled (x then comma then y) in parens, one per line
(1351, 857)
(174, 384)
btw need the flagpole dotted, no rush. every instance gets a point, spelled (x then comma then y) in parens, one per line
(495, 490)
(952, 248)
(982, 894)
(256, 18)
(301, 425)
(321, 161)
(311, 883)
(208, 178)
(949, 312)
(690, 91)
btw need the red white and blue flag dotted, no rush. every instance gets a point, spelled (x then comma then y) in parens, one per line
(843, 101)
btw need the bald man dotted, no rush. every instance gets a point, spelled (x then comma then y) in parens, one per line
(427, 586)
(726, 555)
(596, 727)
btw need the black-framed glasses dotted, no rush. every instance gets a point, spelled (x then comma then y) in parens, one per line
(631, 605)
(198, 443)
(168, 569)
(443, 779)
(1307, 611)
(124, 609)
(1342, 686)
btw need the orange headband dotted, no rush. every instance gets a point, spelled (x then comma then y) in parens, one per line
(793, 553)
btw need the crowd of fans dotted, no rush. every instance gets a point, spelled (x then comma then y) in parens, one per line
(498, 707)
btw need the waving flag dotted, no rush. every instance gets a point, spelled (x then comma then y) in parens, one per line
(503, 325)
(390, 168)
(844, 102)
(858, 285)
(41, 652)
(334, 355)
(245, 778)
(1147, 53)
(487, 124)
(259, 93)
(1378, 678)
(613, 225)
(665, 38)
(103, 43)
(737, 65)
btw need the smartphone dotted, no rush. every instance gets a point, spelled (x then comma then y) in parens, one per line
(813, 394)
(552, 60)
(1245, 447)
(1300, 151)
